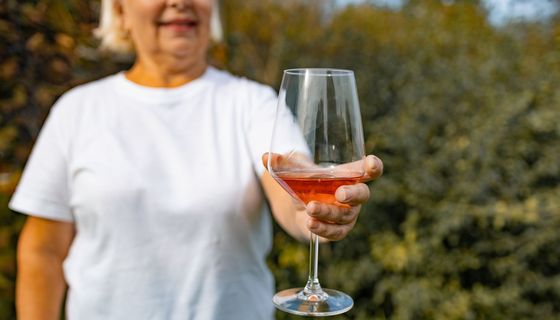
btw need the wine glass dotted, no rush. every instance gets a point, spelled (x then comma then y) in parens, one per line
(317, 146)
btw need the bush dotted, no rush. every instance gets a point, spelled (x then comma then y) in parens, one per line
(463, 224)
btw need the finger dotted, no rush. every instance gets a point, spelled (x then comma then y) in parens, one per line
(287, 161)
(329, 231)
(264, 160)
(274, 157)
(373, 167)
(352, 194)
(332, 213)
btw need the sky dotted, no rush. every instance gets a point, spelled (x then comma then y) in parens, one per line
(499, 10)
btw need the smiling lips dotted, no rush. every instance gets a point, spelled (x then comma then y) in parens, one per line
(179, 25)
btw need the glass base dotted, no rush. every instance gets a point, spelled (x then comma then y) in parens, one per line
(333, 303)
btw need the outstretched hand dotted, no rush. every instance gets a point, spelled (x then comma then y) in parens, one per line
(334, 221)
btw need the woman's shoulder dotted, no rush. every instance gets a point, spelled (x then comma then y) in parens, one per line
(81, 96)
(98, 87)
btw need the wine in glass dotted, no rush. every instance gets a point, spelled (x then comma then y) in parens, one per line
(317, 146)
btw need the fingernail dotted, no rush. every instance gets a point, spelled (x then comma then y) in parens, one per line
(372, 162)
(342, 195)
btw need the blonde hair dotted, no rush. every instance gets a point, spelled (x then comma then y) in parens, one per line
(115, 38)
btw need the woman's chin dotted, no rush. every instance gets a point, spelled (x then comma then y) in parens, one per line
(182, 49)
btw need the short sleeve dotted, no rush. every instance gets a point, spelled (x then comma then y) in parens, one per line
(43, 188)
(263, 120)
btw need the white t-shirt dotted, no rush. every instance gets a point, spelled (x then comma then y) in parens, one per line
(163, 187)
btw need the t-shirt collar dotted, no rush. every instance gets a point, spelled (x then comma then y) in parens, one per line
(161, 95)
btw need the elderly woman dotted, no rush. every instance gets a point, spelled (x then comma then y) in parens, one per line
(145, 190)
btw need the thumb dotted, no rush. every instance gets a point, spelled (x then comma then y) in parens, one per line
(275, 159)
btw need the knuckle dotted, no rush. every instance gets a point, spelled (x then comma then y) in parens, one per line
(348, 215)
(337, 233)
(322, 228)
(333, 213)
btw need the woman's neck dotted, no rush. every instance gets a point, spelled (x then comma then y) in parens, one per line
(164, 75)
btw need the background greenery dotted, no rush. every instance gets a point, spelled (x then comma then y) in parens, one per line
(466, 116)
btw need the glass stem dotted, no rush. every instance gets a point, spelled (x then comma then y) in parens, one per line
(313, 290)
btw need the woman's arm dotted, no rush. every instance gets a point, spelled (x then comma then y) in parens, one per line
(328, 221)
(40, 285)
(289, 215)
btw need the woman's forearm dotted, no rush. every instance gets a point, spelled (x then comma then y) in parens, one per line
(284, 209)
(289, 214)
(40, 287)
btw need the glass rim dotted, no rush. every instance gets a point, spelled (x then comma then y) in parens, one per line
(319, 72)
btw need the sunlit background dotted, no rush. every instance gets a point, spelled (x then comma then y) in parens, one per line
(459, 98)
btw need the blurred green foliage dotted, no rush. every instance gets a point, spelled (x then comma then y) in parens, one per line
(463, 224)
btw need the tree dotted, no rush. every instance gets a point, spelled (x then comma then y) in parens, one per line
(463, 225)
